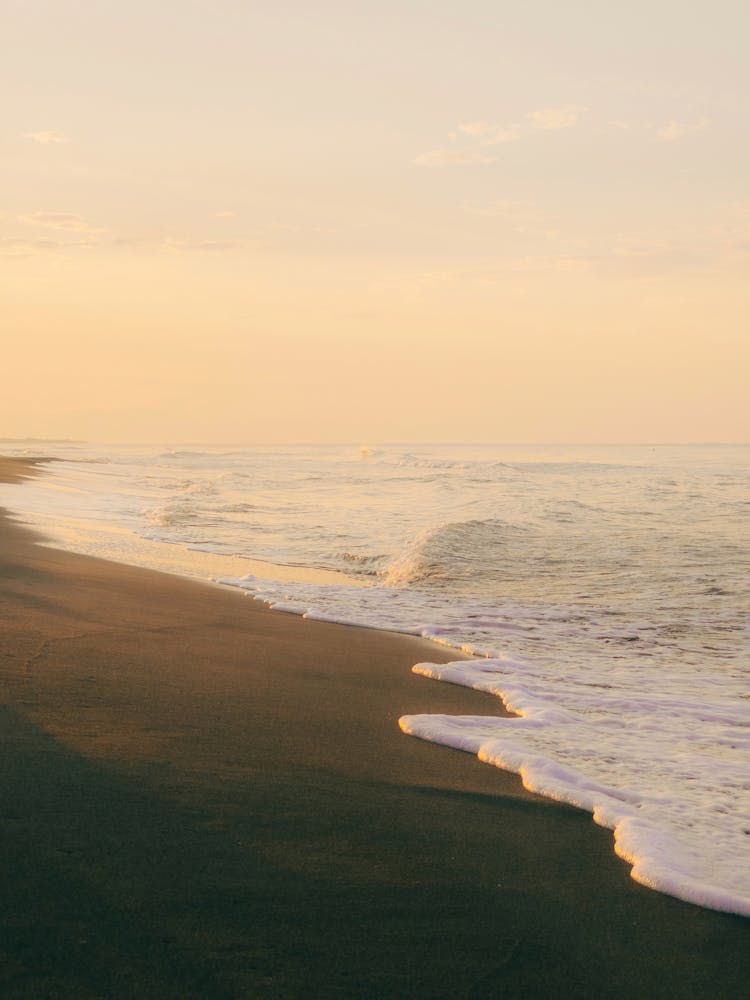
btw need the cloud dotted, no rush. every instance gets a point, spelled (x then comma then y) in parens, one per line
(676, 130)
(486, 133)
(506, 210)
(621, 126)
(476, 128)
(181, 244)
(66, 221)
(207, 246)
(539, 263)
(16, 249)
(46, 137)
(490, 135)
(639, 246)
(557, 118)
(523, 217)
(453, 158)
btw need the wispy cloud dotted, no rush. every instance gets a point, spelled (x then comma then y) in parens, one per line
(676, 130)
(506, 209)
(557, 118)
(178, 245)
(639, 246)
(540, 263)
(67, 221)
(453, 157)
(470, 137)
(490, 135)
(46, 137)
(476, 128)
(17, 249)
(523, 217)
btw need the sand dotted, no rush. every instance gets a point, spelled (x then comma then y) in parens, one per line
(205, 798)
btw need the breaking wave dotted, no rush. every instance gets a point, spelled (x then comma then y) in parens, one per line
(452, 552)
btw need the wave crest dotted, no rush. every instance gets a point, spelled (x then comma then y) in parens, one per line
(457, 550)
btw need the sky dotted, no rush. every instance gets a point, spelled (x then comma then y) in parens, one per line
(380, 221)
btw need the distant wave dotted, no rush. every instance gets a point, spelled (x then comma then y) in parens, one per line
(182, 453)
(408, 460)
(573, 465)
(415, 460)
(476, 470)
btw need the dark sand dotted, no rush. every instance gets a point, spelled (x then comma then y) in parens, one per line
(204, 798)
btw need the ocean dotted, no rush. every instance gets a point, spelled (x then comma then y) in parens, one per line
(602, 591)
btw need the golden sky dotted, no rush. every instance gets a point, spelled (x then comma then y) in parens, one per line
(245, 221)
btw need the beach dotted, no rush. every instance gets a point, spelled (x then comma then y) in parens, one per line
(206, 798)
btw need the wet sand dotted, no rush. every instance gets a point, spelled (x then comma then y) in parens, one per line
(204, 798)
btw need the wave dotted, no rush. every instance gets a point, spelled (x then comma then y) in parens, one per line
(237, 508)
(457, 550)
(171, 514)
(490, 466)
(357, 557)
(416, 462)
(573, 465)
(360, 564)
(184, 454)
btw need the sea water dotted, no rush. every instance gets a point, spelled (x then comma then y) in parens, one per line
(602, 591)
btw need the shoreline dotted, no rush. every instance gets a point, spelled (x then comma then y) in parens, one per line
(202, 802)
(164, 557)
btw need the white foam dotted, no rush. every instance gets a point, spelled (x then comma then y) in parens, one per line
(310, 599)
(676, 796)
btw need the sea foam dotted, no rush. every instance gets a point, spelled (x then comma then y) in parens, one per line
(676, 796)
